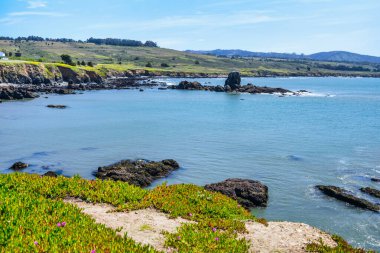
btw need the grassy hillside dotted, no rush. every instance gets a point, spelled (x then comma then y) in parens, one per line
(177, 61)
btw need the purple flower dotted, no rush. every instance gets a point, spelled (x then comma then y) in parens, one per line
(178, 237)
(216, 238)
(190, 214)
(35, 243)
(59, 224)
(213, 229)
(63, 224)
(93, 251)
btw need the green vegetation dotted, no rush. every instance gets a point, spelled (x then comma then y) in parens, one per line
(342, 247)
(151, 58)
(31, 208)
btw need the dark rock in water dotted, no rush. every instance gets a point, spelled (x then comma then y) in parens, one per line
(13, 93)
(248, 193)
(19, 166)
(371, 191)
(57, 106)
(141, 90)
(343, 195)
(294, 158)
(186, 85)
(50, 174)
(140, 172)
(233, 80)
(374, 179)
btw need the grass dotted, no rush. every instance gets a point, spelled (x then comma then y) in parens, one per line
(342, 247)
(31, 206)
(127, 58)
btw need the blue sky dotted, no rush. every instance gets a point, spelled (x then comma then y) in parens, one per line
(301, 26)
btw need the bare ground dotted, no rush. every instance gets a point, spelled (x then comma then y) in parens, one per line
(145, 226)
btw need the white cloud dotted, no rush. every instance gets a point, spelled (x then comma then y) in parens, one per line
(36, 4)
(36, 13)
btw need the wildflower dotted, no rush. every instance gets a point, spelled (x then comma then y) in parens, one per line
(59, 224)
(213, 229)
(63, 224)
(93, 251)
(178, 237)
(190, 214)
(35, 243)
(216, 238)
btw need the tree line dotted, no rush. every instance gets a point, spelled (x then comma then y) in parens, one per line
(97, 41)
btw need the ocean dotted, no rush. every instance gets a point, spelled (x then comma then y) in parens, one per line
(291, 144)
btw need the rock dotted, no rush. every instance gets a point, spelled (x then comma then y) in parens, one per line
(186, 85)
(57, 106)
(19, 166)
(343, 195)
(140, 172)
(248, 193)
(50, 174)
(371, 191)
(233, 80)
(374, 179)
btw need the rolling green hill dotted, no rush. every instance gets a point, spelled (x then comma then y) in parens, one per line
(171, 61)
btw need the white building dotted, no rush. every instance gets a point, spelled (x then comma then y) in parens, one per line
(3, 56)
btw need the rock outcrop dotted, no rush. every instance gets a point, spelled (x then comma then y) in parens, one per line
(50, 174)
(249, 88)
(12, 93)
(371, 191)
(343, 195)
(248, 193)
(19, 166)
(140, 172)
(233, 81)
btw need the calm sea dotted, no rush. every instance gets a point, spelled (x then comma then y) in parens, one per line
(289, 143)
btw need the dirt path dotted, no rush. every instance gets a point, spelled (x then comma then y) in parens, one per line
(145, 226)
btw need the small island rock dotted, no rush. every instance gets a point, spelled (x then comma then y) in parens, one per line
(371, 191)
(343, 195)
(249, 193)
(140, 172)
(19, 166)
(57, 106)
(233, 81)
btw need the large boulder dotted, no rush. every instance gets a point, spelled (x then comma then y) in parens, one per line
(140, 172)
(248, 193)
(343, 195)
(186, 85)
(19, 166)
(371, 191)
(233, 80)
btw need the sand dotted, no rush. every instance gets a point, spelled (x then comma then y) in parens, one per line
(145, 226)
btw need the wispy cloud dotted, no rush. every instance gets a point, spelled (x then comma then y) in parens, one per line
(37, 13)
(36, 4)
(204, 21)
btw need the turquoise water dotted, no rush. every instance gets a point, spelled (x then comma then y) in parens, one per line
(289, 143)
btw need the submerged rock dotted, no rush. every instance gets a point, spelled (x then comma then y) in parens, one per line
(248, 193)
(374, 179)
(233, 81)
(50, 174)
(140, 172)
(371, 191)
(57, 106)
(19, 166)
(343, 195)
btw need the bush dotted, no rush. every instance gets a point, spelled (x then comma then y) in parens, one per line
(148, 65)
(197, 62)
(67, 59)
(165, 65)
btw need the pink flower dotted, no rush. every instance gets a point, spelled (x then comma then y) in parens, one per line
(59, 224)
(213, 229)
(63, 224)
(93, 251)
(190, 214)
(178, 237)
(35, 243)
(216, 238)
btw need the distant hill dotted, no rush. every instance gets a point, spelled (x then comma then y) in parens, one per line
(335, 56)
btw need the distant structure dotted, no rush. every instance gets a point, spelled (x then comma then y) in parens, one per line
(3, 56)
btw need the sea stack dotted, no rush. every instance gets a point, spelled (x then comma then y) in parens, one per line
(233, 81)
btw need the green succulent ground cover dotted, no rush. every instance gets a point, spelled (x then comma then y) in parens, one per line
(33, 217)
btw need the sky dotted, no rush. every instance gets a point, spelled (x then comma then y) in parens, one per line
(292, 26)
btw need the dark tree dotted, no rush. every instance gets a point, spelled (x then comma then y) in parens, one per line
(150, 43)
(83, 63)
(197, 62)
(90, 64)
(67, 59)
(148, 65)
